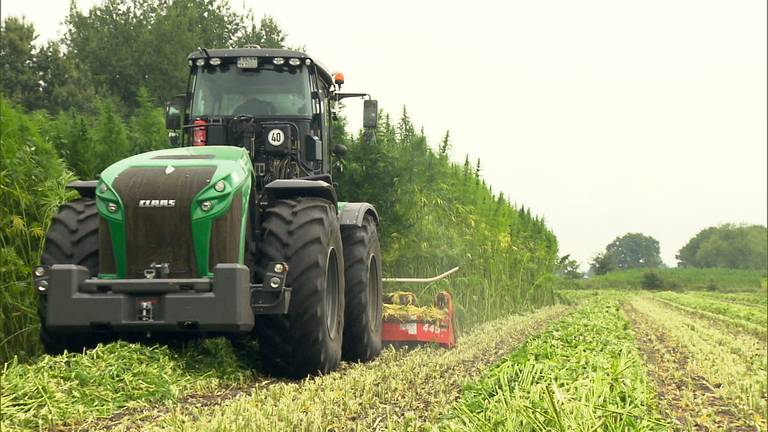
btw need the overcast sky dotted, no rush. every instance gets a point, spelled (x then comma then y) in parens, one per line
(605, 117)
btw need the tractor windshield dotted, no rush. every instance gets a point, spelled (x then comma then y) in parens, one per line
(264, 92)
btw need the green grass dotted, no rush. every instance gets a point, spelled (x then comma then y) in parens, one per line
(712, 279)
(583, 374)
(72, 387)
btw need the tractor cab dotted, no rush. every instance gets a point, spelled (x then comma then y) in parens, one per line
(278, 104)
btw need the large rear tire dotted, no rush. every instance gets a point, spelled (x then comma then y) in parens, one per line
(72, 238)
(362, 274)
(304, 233)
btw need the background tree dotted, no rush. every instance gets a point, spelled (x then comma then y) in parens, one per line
(17, 61)
(568, 268)
(632, 250)
(635, 250)
(727, 246)
(603, 263)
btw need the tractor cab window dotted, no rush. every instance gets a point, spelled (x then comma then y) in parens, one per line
(264, 92)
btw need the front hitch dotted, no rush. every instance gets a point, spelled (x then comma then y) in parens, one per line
(272, 296)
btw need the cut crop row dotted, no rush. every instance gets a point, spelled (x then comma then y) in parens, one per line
(732, 365)
(399, 390)
(751, 314)
(69, 388)
(583, 374)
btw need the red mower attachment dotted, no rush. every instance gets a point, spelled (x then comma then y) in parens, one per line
(407, 324)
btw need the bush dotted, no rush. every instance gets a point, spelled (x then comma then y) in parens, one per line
(652, 280)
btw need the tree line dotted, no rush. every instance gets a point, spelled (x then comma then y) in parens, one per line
(729, 246)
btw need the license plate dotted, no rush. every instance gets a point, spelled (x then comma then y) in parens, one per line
(248, 62)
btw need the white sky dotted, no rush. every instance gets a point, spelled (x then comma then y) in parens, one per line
(605, 117)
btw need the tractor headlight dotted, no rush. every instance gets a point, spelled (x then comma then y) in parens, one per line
(200, 62)
(278, 61)
(214, 61)
(294, 62)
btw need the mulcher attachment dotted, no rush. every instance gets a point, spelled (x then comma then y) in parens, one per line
(407, 324)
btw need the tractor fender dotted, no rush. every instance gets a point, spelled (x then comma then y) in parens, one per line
(353, 213)
(297, 188)
(86, 188)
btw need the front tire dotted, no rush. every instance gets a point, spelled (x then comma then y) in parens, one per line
(304, 233)
(362, 274)
(72, 238)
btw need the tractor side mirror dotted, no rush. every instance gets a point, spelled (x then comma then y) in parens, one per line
(173, 109)
(370, 113)
(339, 150)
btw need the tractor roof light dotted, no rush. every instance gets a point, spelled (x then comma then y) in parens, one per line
(294, 62)
(338, 78)
(214, 61)
(278, 61)
(39, 271)
(308, 62)
(200, 62)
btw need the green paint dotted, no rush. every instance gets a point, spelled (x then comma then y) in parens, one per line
(233, 167)
(340, 206)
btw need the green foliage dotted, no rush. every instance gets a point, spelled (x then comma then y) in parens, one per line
(17, 59)
(603, 263)
(32, 180)
(110, 136)
(434, 217)
(93, 56)
(147, 126)
(652, 280)
(73, 138)
(160, 34)
(568, 268)
(725, 280)
(727, 246)
(55, 389)
(632, 250)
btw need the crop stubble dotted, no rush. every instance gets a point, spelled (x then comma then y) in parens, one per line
(709, 377)
(400, 390)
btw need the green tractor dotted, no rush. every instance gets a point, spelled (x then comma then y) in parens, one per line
(237, 231)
